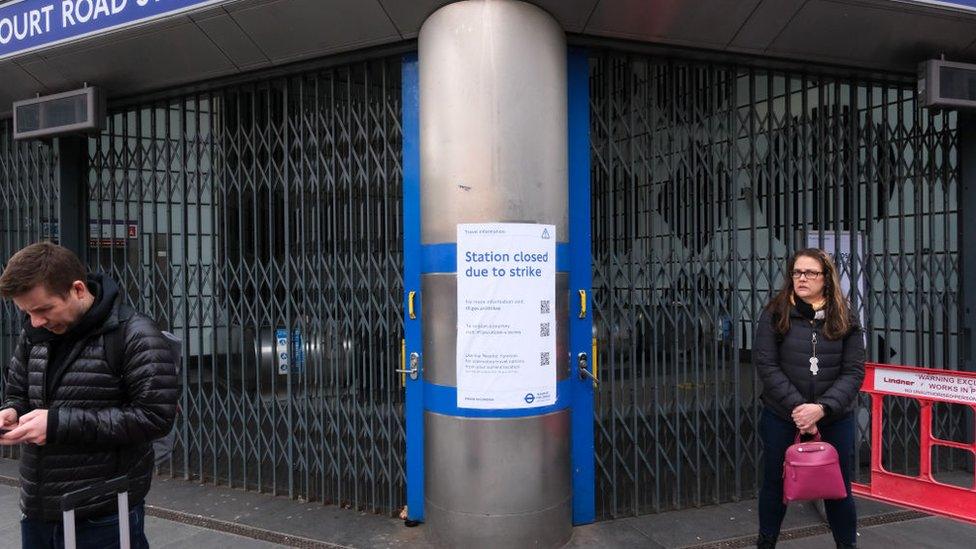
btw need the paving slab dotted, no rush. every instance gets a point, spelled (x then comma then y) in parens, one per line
(707, 524)
(312, 521)
(923, 533)
(613, 533)
(161, 533)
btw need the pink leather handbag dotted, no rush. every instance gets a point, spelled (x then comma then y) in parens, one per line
(811, 470)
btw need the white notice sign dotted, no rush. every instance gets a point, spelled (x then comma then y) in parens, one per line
(506, 333)
(946, 385)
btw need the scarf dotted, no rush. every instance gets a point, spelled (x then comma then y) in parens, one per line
(809, 311)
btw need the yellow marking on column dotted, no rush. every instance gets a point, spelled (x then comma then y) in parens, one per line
(596, 370)
(403, 362)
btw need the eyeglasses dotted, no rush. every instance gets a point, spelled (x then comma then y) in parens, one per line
(809, 275)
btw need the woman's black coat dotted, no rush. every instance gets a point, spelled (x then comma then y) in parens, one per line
(783, 365)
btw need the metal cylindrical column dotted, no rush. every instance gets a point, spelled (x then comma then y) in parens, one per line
(493, 148)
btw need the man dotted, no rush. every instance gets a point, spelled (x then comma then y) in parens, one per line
(81, 418)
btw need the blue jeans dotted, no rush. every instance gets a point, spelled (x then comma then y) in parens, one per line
(91, 533)
(777, 435)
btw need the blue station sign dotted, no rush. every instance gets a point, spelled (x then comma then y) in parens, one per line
(27, 25)
(969, 5)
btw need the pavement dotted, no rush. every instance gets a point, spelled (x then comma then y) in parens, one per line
(186, 514)
(162, 533)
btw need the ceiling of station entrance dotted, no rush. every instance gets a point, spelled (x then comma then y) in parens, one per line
(239, 36)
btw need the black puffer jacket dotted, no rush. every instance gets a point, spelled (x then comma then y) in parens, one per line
(783, 366)
(101, 422)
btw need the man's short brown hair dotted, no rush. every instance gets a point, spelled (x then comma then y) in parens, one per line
(56, 267)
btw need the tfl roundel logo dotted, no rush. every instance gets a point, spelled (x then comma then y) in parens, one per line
(529, 398)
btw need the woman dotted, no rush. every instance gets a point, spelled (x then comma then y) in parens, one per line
(809, 354)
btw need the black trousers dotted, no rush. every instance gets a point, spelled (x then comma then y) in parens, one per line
(777, 435)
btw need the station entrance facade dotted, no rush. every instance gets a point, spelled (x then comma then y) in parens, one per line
(262, 222)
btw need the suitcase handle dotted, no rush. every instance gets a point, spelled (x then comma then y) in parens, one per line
(113, 486)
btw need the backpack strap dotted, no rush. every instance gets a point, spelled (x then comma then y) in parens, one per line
(114, 341)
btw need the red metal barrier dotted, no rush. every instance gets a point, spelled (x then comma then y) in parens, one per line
(928, 387)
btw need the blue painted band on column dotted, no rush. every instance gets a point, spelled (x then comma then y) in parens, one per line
(442, 258)
(442, 399)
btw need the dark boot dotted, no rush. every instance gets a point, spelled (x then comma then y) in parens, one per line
(766, 542)
(846, 546)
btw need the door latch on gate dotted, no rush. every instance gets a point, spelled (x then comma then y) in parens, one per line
(414, 370)
(584, 372)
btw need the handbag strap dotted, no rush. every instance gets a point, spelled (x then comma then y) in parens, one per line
(816, 437)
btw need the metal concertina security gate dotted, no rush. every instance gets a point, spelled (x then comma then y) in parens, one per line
(261, 222)
(706, 177)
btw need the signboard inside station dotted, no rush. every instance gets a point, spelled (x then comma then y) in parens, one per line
(506, 332)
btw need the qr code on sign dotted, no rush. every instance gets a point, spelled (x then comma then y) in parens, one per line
(544, 307)
(544, 359)
(544, 329)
